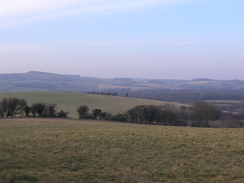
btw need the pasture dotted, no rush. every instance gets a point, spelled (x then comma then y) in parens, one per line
(64, 150)
(68, 101)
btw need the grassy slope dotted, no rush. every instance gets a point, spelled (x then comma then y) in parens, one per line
(70, 101)
(57, 150)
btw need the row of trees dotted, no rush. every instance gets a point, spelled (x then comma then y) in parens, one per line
(199, 115)
(46, 110)
(106, 93)
(103, 93)
(13, 106)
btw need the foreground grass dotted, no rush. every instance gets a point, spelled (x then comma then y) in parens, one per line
(70, 101)
(57, 150)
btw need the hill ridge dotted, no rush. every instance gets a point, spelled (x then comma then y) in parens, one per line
(46, 81)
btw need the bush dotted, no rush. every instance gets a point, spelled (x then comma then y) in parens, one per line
(62, 114)
(83, 112)
(120, 117)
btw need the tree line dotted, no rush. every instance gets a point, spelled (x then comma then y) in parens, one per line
(103, 93)
(12, 106)
(200, 114)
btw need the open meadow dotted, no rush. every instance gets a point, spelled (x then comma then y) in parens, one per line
(68, 101)
(64, 150)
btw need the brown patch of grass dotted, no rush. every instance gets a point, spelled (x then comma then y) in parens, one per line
(57, 150)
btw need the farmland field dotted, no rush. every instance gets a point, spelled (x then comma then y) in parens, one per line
(70, 101)
(64, 150)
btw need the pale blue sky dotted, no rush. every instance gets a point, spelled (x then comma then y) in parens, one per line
(156, 39)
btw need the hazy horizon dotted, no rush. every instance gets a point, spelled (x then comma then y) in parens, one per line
(158, 39)
(142, 78)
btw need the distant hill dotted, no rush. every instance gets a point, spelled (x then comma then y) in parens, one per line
(43, 81)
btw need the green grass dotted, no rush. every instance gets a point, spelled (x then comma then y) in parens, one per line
(63, 150)
(70, 101)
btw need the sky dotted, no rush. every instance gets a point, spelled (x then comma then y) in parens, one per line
(149, 39)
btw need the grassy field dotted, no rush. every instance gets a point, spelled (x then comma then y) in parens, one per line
(63, 150)
(70, 101)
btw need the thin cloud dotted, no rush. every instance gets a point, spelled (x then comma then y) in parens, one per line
(180, 43)
(127, 43)
(6, 48)
(17, 7)
(92, 43)
(14, 12)
(161, 43)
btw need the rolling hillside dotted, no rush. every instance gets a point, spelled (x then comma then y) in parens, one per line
(43, 81)
(68, 101)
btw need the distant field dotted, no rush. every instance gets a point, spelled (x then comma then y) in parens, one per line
(70, 101)
(63, 150)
